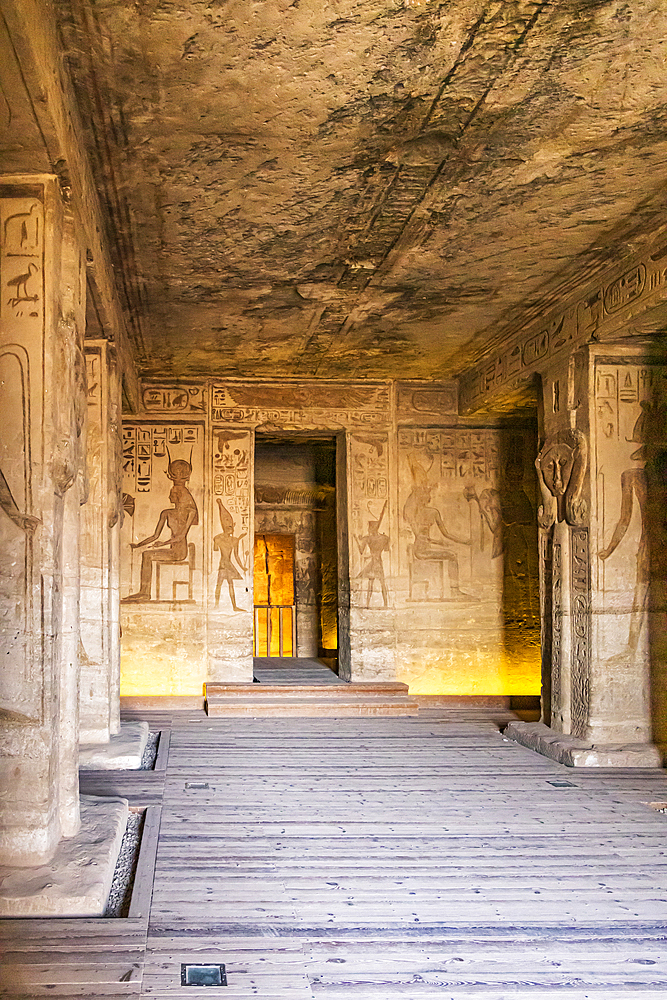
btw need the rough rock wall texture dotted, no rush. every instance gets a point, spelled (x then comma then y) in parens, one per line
(364, 189)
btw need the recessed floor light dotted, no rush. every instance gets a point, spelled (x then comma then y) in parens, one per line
(203, 975)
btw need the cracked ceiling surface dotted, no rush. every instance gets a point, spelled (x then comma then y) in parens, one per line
(363, 188)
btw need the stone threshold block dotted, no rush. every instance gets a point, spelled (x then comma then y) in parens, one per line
(574, 752)
(77, 880)
(123, 751)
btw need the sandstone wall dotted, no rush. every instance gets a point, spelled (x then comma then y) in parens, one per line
(437, 551)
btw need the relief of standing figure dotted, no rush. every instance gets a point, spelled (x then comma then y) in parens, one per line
(227, 544)
(377, 543)
(650, 432)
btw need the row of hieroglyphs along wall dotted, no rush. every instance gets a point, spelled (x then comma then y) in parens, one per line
(440, 518)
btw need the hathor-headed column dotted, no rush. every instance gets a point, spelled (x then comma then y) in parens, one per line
(604, 430)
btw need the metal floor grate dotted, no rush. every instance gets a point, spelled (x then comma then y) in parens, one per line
(203, 975)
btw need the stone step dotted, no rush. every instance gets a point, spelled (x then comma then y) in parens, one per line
(291, 706)
(358, 698)
(328, 691)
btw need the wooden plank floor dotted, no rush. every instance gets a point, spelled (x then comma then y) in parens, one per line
(382, 858)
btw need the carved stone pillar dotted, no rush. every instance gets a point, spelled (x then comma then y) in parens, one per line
(372, 624)
(99, 649)
(595, 473)
(629, 397)
(230, 544)
(42, 386)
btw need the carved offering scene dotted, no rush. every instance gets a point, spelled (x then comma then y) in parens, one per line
(162, 555)
(468, 560)
(295, 559)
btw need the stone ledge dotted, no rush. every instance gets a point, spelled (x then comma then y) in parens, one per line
(162, 703)
(123, 751)
(77, 880)
(574, 752)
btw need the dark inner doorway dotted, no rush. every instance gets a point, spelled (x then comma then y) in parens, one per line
(296, 559)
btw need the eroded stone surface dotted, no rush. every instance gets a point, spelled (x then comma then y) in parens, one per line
(77, 879)
(123, 751)
(578, 753)
(368, 189)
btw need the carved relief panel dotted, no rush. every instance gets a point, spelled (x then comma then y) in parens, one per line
(630, 429)
(231, 536)
(450, 512)
(162, 538)
(301, 406)
(22, 262)
(370, 515)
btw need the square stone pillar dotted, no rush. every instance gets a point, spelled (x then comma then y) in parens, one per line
(604, 429)
(42, 389)
(230, 543)
(371, 543)
(100, 539)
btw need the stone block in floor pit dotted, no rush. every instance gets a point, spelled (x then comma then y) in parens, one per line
(574, 752)
(77, 880)
(123, 751)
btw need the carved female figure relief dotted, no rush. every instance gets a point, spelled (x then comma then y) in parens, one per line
(650, 432)
(561, 468)
(178, 519)
(422, 518)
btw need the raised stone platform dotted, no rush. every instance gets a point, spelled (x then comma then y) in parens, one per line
(334, 700)
(77, 879)
(574, 752)
(123, 751)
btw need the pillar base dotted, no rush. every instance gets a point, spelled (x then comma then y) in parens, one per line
(123, 751)
(574, 752)
(77, 879)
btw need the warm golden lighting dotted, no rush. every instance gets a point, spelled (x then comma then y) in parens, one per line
(273, 579)
(474, 673)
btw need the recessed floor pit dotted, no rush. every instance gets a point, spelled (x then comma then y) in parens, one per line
(203, 975)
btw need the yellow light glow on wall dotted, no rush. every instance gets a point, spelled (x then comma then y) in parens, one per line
(162, 654)
(273, 575)
(478, 672)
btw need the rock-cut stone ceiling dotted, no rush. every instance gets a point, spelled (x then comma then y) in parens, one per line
(364, 188)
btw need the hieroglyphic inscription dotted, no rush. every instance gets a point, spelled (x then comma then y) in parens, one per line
(300, 406)
(231, 474)
(22, 262)
(529, 351)
(581, 634)
(142, 443)
(557, 622)
(169, 398)
(546, 597)
(461, 454)
(438, 400)
(618, 390)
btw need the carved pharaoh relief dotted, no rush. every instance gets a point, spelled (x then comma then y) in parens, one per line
(561, 468)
